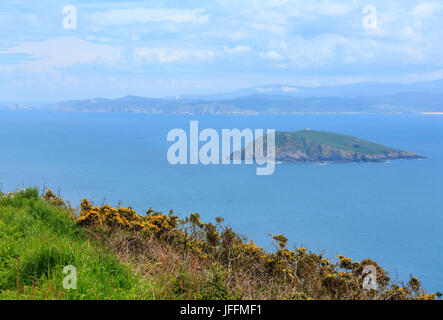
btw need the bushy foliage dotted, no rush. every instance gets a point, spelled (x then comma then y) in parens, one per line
(239, 268)
(123, 255)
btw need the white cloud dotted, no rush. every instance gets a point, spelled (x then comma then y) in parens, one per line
(266, 28)
(164, 55)
(325, 37)
(120, 17)
(289, 89)
(323, 7)
(271, 55)
(330, 8)
(425, 11)
(237, 49)
(171, 55)
(62, 52)
(315, 51)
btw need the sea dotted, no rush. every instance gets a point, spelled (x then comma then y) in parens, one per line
(390, 212)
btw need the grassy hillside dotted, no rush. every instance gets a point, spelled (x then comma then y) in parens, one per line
(335, 140)
(119, 254)
(38, 239)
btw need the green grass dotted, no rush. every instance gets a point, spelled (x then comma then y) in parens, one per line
(37, 240)
(335, 140)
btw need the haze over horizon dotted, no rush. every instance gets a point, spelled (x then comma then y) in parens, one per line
(272, 89)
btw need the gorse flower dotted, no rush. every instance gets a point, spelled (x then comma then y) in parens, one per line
(53, 199)
(309, 274)
(125, 219)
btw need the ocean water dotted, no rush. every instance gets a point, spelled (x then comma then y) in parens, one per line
(390, 212)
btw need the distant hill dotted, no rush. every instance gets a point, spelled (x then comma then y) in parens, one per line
(319, 146)
(417, 97)
(353, 90)
(409, 102)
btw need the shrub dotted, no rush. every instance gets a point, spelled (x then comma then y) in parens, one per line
(235, 265)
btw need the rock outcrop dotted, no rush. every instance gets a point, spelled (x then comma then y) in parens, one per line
(319, 146)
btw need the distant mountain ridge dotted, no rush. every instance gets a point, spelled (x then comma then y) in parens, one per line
(352, 90)
(419, 97)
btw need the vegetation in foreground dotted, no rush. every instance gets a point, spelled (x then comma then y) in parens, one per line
(119, 254)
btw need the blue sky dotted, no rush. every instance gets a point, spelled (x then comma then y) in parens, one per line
(164, 48)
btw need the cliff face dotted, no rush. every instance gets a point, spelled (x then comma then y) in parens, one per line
(318, 146)
(325, 153)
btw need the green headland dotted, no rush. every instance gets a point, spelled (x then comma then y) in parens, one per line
(320, 146)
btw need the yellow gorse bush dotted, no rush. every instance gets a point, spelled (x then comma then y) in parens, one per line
(310, 275)
(53, 199)
(125, 219)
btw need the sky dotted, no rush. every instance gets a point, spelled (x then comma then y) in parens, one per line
(52, 50)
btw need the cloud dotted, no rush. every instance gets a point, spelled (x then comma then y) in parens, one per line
(323, 7)
(172, 55)
(122, 17)
(209, 39)
(425, 11)
(330, 8)
(271, 55)
(315, 51)
(289, 89)
(237, 49)
(61, 52)
(164, 55)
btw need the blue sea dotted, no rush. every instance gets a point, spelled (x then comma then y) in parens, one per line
(390, 212)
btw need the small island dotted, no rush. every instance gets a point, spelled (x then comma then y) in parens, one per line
(320, 146)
